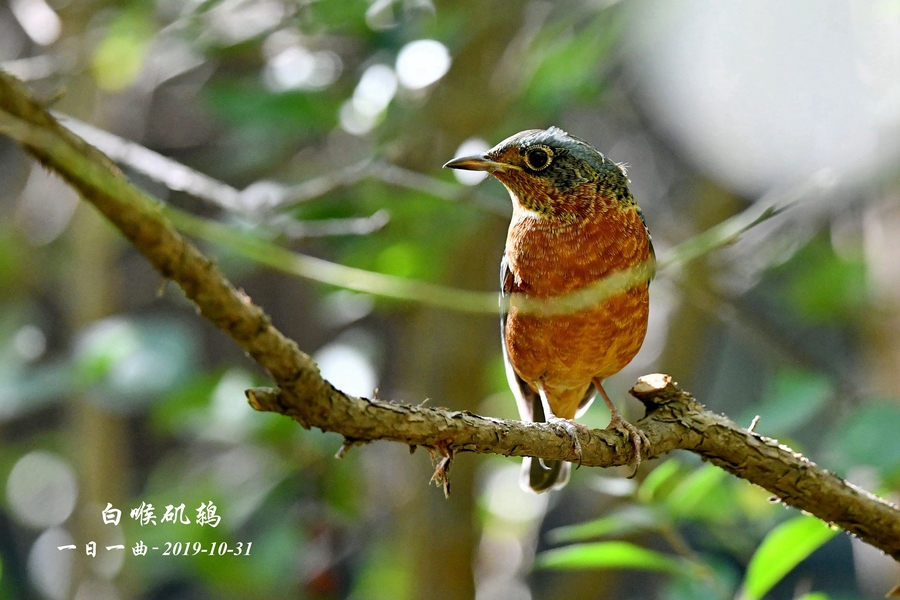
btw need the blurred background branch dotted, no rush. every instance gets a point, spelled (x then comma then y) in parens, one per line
(177, 177)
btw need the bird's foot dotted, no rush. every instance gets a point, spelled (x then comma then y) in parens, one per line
(638, 438)
(572, 429)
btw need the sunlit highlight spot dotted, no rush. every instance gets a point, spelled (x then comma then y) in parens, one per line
(296, 68)
(50, 569)
(375, 90)
(41, 489)
(504, 499)
(421, 63)
(38, 20)
(230, 420)
(30, 343)
(235, 21)
(347, 368)
(373, 94)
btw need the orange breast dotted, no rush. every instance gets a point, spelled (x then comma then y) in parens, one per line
(549, 258)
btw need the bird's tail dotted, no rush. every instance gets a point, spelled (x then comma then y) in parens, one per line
(542, 475)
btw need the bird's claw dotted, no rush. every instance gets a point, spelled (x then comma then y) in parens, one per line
(638, 438)
(572, 429)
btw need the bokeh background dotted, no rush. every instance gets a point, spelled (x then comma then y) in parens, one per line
(323, 126)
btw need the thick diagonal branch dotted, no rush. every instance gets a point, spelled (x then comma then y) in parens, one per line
(674, 419)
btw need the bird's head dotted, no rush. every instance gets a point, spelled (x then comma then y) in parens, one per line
(551, 173)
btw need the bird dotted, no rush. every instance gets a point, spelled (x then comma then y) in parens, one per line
(574, 223)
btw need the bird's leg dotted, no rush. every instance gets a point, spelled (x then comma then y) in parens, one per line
(568, 425)
(638, 438)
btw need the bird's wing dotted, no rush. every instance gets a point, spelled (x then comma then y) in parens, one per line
(649, 241)
(527, 399)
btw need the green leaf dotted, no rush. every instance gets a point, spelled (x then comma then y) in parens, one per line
(814, 596)
(608, 555)
(782, 550)
(689, 497)
(662, 476)
(623, 521)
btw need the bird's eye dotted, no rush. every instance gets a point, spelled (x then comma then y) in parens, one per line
(538, 158)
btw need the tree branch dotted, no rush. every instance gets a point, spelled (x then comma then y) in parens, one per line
(674, 419)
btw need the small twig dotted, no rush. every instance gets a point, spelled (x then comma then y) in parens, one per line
(296, 229)
(347, 445)
(173, 174)
(438, 188)
(441, 477)
(753, 424)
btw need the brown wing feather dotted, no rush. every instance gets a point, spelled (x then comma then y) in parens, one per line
(527, 399)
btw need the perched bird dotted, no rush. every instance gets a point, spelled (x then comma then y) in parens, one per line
(574, 223)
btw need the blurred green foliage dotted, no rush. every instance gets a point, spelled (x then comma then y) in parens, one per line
(782, 549)
(119, 57)
(794, 399)
(722, 516)
(868, 438)
(608, 555)
(824, 286)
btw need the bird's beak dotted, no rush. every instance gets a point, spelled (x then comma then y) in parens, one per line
(476, 163)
